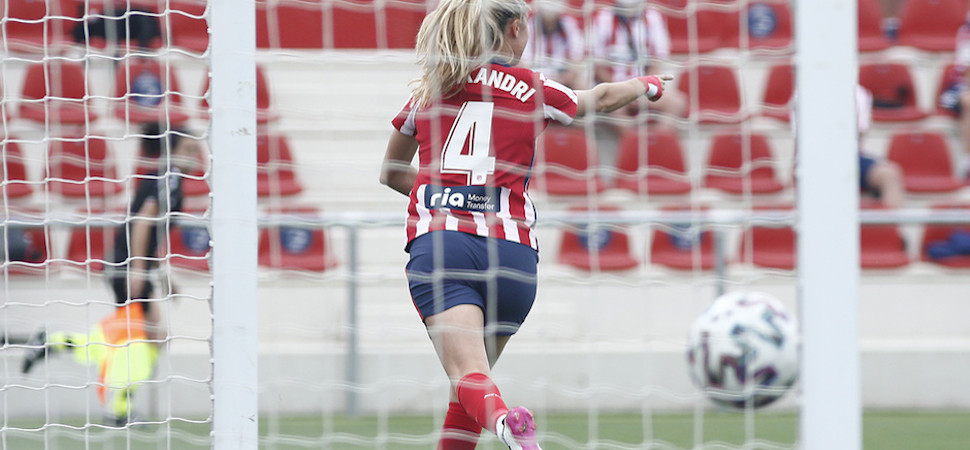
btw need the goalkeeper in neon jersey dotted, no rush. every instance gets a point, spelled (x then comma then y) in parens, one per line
(124, 345)
(473, 252)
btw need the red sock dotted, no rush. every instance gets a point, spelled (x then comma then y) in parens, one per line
(481, 399)
(460, 431)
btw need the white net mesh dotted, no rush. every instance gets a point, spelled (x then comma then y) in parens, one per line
(643, 219)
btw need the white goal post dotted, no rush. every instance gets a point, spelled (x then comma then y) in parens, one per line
(828, 205)
(235, 346)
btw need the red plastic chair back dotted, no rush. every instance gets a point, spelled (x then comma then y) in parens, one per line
(893, 92)
(652, 162)
(189, 30)
(148, 92)
(188, 244)
(30, 26)
(682, 248)
(930, 25)
(58, 88)
(925, 160)
(881, 246)
(264, 109)
(82, 167)
(948, 77)
(935, 234)
(91, 243)
(275, 175)
(295, 247)
(13, 173)
(769, 26)
(607, 249)
(718, 96)
(34, 261)
(870, 17)
(708, 30)
(770, 247)
(731, 169)
(361, 24)
(566, 162)
(779, 88)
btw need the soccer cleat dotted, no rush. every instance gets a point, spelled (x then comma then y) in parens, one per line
(518, 430)
(36, 351)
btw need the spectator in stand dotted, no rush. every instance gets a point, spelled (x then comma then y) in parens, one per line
(956, 97)
(879, 179)
(627, 38)
(555, 47)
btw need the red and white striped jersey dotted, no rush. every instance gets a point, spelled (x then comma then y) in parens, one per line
(550, 51)
(627, 43)
(476, 150)
(962, 51)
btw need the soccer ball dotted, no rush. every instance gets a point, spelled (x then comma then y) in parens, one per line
(743, 350)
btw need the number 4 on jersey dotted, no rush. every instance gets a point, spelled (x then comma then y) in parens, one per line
(474, 127)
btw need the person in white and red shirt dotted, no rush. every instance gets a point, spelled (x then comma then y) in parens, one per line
(955, 97)
(627, 39)
(472, 120)
(556, 44)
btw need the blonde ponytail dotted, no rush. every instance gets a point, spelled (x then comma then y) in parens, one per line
(457, 37)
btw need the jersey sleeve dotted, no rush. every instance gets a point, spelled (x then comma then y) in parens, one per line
(404, 121)
(561, 103)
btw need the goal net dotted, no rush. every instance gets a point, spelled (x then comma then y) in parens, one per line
(644, 217)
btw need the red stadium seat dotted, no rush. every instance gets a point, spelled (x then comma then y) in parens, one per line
(779, 88)
(358, 24)
(275, 174)
(881, 246)
(185, 20)
(708, 28)
(733, 168)
(925, 160)
(188, 243)
(294, 246)
(82, 167)
(681, 247)
(32, 254)
(948, 77)
(291, 24)
(942, 238)
(769, 246)
(930, 25)
(566, 162)
(608, 249)
(144, 95)
(893, 92)
(13, 173)
(32, 26)
(769, 27)
(92, 239)
(871, 36)
(718, 96)
(652, 162)
(64, 100)
(264, 108)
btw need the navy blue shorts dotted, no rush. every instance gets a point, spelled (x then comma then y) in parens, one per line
(462, 275)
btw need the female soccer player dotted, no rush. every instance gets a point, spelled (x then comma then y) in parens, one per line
(473, 119)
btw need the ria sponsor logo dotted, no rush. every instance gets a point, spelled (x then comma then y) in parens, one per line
(466, 198)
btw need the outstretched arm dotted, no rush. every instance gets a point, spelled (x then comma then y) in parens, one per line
(607, 97)
(396, 172)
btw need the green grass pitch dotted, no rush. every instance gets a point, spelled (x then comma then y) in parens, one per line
(720, 430)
